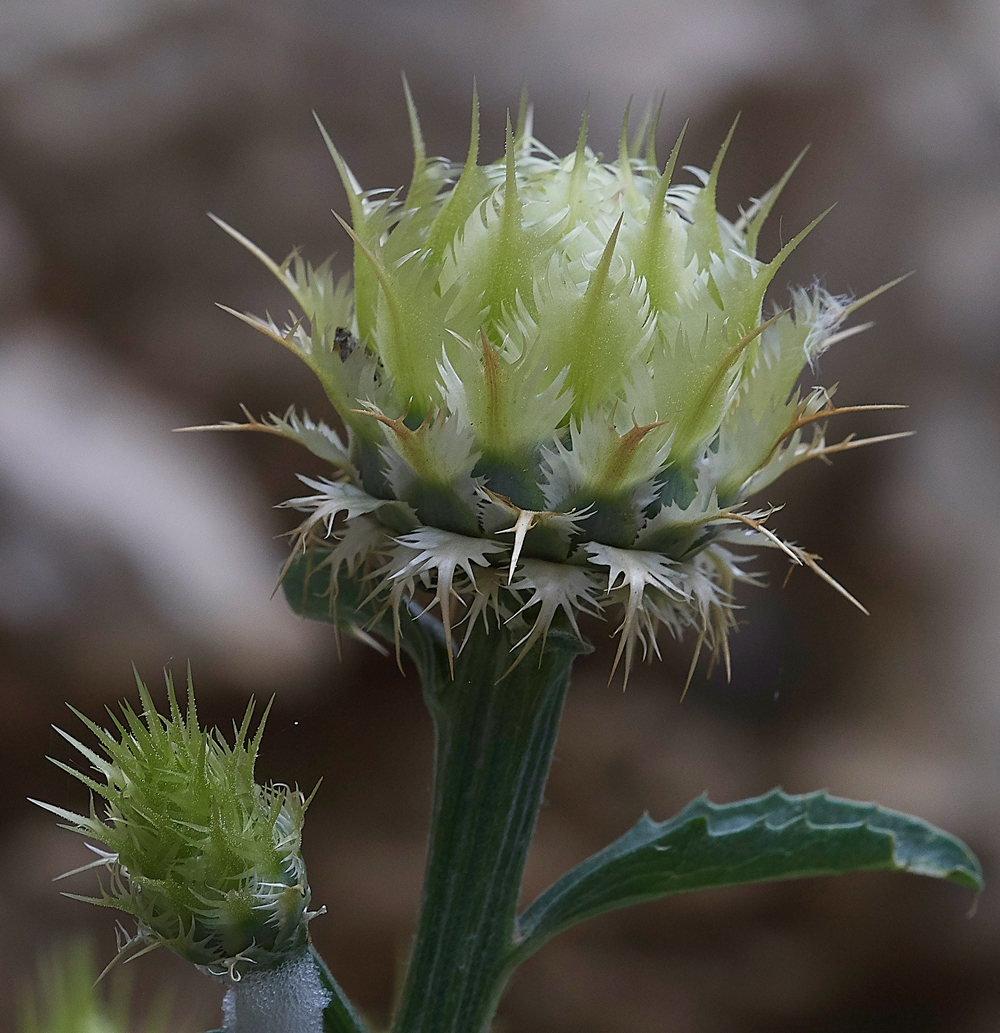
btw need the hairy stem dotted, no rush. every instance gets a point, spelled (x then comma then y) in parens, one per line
(297, 996)
(494, 737)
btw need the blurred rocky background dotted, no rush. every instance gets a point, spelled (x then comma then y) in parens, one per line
(122, 122)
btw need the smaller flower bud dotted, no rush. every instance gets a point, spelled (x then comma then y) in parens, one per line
(205, 860)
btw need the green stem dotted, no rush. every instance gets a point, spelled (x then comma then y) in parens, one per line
(494, 734)
(494, 737)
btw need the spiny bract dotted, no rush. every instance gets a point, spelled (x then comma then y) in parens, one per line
(559, 387)
(205, 860)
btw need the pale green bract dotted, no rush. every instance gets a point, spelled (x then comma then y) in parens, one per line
(560, 384)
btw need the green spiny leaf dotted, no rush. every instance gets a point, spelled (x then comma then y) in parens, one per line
(767, 838)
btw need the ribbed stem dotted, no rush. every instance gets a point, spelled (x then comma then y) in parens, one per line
(494, 736)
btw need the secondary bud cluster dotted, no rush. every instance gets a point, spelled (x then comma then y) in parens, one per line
(204, 859)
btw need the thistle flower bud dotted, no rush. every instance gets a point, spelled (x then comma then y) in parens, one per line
(560, 383)
(204, 859)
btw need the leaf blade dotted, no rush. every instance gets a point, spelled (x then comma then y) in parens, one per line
(762, 839)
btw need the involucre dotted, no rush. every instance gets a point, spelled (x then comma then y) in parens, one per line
(561, 385)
